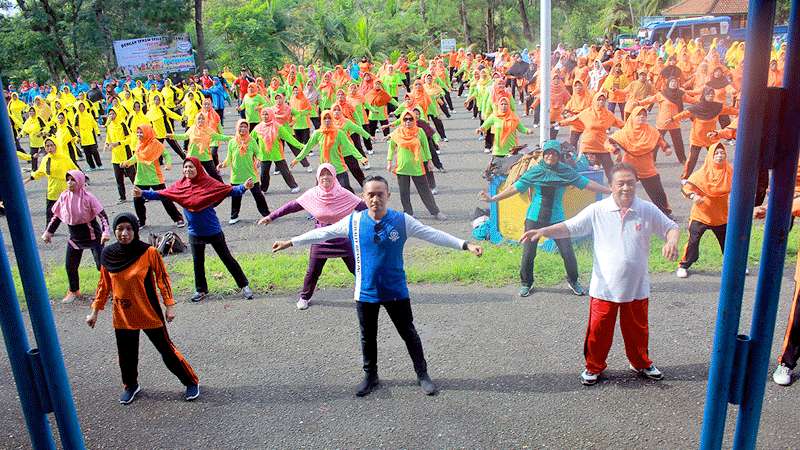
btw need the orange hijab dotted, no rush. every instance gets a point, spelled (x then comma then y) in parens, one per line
(713, 180)
(509, 118)
(299, 101)
(579, 102)
(420, 97)
(328, 135)
(243, 142)
(377, 96)
(408, 137)
(201, 136)
(149, 149)
(636, 139)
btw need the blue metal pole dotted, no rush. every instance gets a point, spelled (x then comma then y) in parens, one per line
(17, 347)
(773, 251)
(30, 269)
(740, 218)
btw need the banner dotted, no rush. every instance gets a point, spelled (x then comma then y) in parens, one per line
(447, 45)
(154, 55)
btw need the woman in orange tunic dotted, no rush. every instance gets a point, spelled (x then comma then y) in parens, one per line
(130, 272)
(581, 99)
(709, 189)
(704, 116)
(596, 121)
(670, 102)
(638, 140)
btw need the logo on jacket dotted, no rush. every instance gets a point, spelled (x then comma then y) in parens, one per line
(394, 235)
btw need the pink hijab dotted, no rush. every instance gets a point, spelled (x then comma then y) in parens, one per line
(79, 207)
(268, 130)
(328, 206)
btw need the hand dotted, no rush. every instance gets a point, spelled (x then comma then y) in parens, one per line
(105, 238)
(47, 237)
(389, 166)
(293, 163)
(478, 131)
(476, 250)
(712, 134)
(531, 236)
(670, 250)
(668, 151)
(364, 161)
(697, 199)
(137, 192)
(485, 197)
(169, 136)
(759, 212)
(249, 184)
(220, 166)
(124, 164)
(170, 313)
(265, 220)
(91, 319)
(429, 166)
(280, 245)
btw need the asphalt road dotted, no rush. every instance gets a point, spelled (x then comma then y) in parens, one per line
(275, 377)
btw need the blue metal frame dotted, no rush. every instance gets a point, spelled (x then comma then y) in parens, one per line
(727, 379)
(44, 329)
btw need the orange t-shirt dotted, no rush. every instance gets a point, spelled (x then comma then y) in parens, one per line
(666, 110)
(134, 307)
(645, 165)
(713, 211)
(701, 128)
(595, 134)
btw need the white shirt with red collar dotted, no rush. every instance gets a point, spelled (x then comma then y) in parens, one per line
(620, 272)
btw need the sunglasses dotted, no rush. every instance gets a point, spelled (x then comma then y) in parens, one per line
(376, 238)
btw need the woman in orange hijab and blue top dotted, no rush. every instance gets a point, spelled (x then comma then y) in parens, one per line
(708, 188)
(549, 179)
(198, 194)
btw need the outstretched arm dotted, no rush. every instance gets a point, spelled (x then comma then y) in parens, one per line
(339, 229)
(556, 231)
(415, 228)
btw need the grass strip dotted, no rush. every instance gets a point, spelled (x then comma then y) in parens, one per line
(283, 273)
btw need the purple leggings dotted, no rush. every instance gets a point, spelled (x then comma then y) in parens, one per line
(315, 265)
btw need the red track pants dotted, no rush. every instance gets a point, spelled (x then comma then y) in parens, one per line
(600, 332)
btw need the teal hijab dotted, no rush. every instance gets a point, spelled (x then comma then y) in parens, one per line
(561, 174)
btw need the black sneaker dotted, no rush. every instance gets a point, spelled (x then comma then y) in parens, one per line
(425, 382)
(577, 288)
(198, 296)
(129, 394)
(192, 392)
(367, 385)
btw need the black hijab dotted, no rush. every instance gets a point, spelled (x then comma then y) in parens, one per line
(117, 257)
(673, 95)
(718, 82)
(704, 109)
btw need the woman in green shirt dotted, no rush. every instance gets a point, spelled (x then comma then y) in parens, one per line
(201, 137)
(244, 151)
(408, 151)
(273, 135)
(334, 146)
(252, 103)
(504, 126)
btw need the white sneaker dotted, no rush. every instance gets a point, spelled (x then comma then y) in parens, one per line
(681, 273)
(446, 140)
(434, 191)
(309, 169)
(247, 293)
(486, 150)
(747, 270)
(588, 378)
(782, 375)
(440, 216)
(295, 190)
(302, 304)
(370, 152)
(276, 172)
(233, 221)
(651, 372)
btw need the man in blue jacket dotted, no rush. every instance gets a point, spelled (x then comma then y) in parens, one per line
(378, 236)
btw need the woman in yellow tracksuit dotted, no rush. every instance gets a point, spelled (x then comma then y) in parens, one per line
(36, 128)
(55, 165)
(16, 108)
(88, 130)
(66, 137)
(161, 118)
(118, 140)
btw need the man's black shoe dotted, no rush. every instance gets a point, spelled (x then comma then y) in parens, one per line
(367, 385)
(426, 384)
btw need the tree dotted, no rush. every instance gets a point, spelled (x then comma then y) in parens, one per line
(490, 27)
(198, 29)
(523, 15)
(462, 13)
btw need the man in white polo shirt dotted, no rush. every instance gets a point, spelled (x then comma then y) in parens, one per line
(621, 226)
